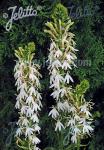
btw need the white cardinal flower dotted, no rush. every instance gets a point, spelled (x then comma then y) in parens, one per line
(74, 138)
(55, 94)
(62, 92)
(54, 113)
(35, 140)
(18, 132)
(87, 129)
(35, 118)
(69, 57)
(29, 132)
(37, 128)
(85, 110)
(23, 86)
(28, 97)
(76, 131)
(58, 53)
(66, 65)
(29, 112)
(71, 122)
(36, 107)
(18, 82)
(29, 100)
(24, 109)
(60, 106)
(59, 126)
(17, 105)
(32, 91)
(56, 64)
(36, 148)
(61, 59)
(68, 78)
(25, 122)
(67, 106)
(23, 94)
(72, 109)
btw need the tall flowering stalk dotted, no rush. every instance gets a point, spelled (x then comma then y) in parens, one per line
(71, 109)
(28, 96)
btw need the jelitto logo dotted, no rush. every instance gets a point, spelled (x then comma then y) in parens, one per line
(19, 13)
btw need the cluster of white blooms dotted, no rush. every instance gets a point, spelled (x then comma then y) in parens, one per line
(60, 64)
(79, 121)
(28, 101)
(67, 112)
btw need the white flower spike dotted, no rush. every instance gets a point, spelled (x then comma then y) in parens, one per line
(28, 98)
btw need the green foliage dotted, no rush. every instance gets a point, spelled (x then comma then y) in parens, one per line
(26, 53)
(91, 49)
(97, 141)
(60, 13)
(82, 87)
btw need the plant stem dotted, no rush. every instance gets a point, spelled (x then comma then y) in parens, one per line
(78, 144)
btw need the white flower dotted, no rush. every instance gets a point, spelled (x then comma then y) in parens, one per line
(74, 139)
(18, 82)
(23, 86)
(33, 70)
(36, 107)
(58, 53)
(29, 131)
(39, 102)
(34, 78)
(55, 85)
(82, 121)
(59, 126)
(25, 122)
(29, 112)
(37, 128)
(87, 129)
(55, 94)
(71, 122)
(59, 78)
(69, 57)
(35, 140)
(36, 148)
(32, 91)
(18, 132)
(54, 113)
(52, 45)
(54, 73)
(35, 118)
(76, 117)
(56, 81)
(29, 100)
(72, 109)
(18, 74)
(85, 110)
(66, 65)
(23, 94)
(56, 64)
(76, 131)
(39, 97)
(62, 91)
(24, 109)
(68, 78)
(17, 105)
(60, 106)
(67, 106)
